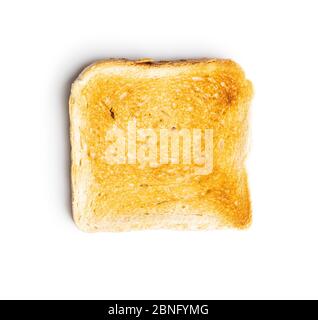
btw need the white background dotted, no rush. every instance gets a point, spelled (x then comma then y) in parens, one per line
(45, 44)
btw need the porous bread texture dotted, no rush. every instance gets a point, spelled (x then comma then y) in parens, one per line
(203, 94)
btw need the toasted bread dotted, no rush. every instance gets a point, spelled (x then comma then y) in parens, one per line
(168, 95)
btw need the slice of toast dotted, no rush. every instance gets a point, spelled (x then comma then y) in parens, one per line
(160, 145)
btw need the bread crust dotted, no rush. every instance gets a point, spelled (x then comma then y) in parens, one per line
(219, 200)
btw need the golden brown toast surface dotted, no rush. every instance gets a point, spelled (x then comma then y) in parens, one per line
(203, 94)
